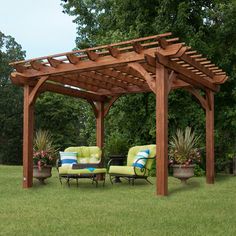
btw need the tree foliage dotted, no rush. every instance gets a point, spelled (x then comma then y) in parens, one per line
(206, 25)
(10, 103)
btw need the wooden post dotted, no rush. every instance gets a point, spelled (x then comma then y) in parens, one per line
(210, 162)
(162, 129)
(28, 139)
(100, 132)
(100, 124)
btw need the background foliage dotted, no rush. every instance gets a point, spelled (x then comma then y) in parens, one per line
(208, 26)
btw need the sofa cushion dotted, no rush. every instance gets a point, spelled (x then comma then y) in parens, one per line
(92, 153)
(141, 158)
(68, 159)
(126, 170)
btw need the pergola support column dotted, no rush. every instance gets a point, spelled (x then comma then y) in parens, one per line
(210, 159)
(28, 139)
(100, 124)
(162, 85)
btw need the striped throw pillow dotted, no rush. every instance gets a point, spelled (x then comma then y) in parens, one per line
(142, 162)
(68, 158)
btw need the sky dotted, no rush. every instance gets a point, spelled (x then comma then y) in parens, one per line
(39, 26)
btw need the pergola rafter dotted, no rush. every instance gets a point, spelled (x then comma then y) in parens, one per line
(101, 74)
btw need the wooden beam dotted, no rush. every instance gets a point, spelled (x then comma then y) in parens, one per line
(100, 124)
(150, 81)
(28, 124)
(71, 92)
(162, 130)
(210, 160)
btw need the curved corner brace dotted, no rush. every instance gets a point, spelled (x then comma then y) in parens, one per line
(35, 90)
(172, 77)
(200, 98)
(109, 104)
(151, 81)
(95, 110)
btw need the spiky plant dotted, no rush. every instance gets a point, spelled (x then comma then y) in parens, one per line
(44, 150)
(183, 147)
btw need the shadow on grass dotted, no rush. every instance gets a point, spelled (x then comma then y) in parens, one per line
(184, 187)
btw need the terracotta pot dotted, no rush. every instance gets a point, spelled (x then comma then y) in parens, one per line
(43, 173)
(183, 172)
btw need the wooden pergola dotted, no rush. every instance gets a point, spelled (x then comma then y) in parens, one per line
(157, 64)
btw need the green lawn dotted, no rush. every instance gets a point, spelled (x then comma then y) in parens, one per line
(122, 209)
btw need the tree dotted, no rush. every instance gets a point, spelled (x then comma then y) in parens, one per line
(10, 103)
(208, 26)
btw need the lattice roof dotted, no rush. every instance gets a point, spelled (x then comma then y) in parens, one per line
(120, 68)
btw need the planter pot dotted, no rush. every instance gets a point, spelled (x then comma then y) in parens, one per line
(183, 172)
(43, 173)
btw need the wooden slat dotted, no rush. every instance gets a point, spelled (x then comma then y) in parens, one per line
(97, 48)
(88, 65)
(20, 68)
(196, 56)
(114, 51)
(53, 62)
(92, 55)
(108, 80)
(73, 59)
(192, 78)
(191, 52)
(196, 65)
(120, 76)
(36, 65)
(137, 47)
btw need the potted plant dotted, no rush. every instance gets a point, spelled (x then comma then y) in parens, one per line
(184, 153)
(44, 155)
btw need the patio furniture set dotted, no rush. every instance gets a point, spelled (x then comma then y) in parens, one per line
(85, 162)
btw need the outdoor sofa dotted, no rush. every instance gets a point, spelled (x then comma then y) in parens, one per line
(139, 162)
(81, 162)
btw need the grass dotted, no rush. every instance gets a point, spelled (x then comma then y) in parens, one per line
(122, 209)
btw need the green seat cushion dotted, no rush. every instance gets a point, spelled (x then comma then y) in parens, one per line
(64, 170)
(87, 171)
(126, 170)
